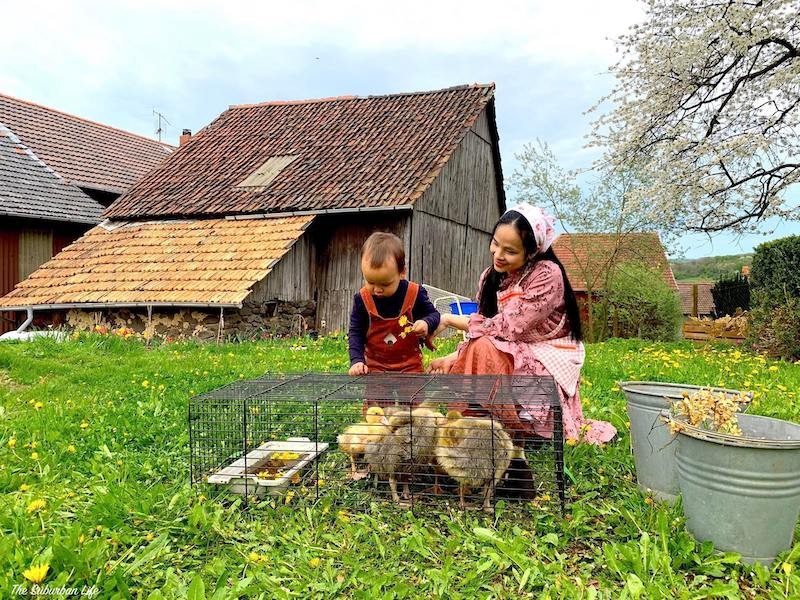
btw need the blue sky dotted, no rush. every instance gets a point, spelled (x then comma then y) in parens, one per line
(115, 62)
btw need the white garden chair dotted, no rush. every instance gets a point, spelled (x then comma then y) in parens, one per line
(442, 299)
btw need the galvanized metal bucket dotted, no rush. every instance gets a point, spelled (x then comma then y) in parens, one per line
(652, 443)
(742, 493)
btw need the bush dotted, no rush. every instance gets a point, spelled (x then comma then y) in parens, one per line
(774, 275)
(775, 288)
(639, 303)
(731, 293)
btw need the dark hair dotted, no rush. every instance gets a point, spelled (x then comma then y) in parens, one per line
(487, 297)
(380, 246)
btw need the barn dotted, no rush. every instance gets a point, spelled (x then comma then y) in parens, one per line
(58, 172)
(255, 224)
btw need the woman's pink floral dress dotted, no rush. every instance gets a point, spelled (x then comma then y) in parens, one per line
(531, 328)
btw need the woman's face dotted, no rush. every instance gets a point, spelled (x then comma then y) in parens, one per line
(507, 251)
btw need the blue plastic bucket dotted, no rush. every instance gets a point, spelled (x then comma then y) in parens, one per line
(463, 308)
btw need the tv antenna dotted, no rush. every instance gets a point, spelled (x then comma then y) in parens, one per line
(161, 120)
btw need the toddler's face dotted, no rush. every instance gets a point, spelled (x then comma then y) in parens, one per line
(381, 281)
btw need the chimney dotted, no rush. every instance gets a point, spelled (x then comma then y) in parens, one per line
(187, 133)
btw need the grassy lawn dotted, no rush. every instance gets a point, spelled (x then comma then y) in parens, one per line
(94, 477)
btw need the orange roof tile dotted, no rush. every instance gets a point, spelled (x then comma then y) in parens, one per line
(211, 261)
(378, 151)
(85, 153)
(588, 255)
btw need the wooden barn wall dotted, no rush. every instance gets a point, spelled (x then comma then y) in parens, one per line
(9, 273)
(292, 279)
(25, 245)
(338, 240)
(35, 249)
(452, 222)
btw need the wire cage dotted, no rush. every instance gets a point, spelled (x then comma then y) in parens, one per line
(410, 438)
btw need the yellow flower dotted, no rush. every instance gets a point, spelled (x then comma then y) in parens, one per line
(84, 425)
(38, 405)
(36, 506)
(71, 449)
(314, 562)
(571, 442)
(773, 368)
(787, 568)
(149, 537)
(36, 574)
(24, 487)
(33, 445)
(34, 456)
(403, 321)
(12, 443)
(145, 383)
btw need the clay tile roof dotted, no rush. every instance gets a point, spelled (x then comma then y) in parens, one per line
(585, 255)
(85, 153)
(29, 189)
(377, 151)
(705, 301)
(212, 261)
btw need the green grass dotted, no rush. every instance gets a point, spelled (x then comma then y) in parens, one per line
(108, 420)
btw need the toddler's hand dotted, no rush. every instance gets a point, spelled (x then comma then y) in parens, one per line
(358, 368)
(420, 328)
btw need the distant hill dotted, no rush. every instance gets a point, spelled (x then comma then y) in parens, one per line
(709, 268)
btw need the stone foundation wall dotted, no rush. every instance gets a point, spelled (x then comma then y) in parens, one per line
(263, 319)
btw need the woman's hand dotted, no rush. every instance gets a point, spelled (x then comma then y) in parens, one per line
(443, 365)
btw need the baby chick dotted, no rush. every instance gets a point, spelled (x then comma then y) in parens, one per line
(475, 452)
(354, 439)
(409, 446)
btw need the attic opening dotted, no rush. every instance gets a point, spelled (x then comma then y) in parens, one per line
(267, 172)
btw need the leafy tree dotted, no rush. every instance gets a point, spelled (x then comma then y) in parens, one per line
(707, 103)
(605, 205)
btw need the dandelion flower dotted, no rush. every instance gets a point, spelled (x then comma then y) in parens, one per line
(71, 449)
(145, 383)
(36, 574)
(84, 425)
(24, 487)
(38, 405)
(12, 443)
(34, 456)
(314, 562)
(36, 506)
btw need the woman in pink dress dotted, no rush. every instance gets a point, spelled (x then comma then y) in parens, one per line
(527, 323)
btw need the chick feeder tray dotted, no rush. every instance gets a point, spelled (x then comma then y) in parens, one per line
(242, 476)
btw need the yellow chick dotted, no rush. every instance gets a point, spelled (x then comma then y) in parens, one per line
(354, 439)
(408, 448)
(475, 452)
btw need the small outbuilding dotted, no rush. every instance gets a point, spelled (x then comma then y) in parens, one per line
(255, 224)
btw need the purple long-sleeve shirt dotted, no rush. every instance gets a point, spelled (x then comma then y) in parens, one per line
(388, 307)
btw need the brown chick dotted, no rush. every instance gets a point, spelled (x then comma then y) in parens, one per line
(354, 439)
(409, 446)
(475, 452)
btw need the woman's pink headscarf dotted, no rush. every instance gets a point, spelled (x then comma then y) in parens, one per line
(542, 224)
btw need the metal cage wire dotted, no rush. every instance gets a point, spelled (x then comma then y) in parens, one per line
(435, 437)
